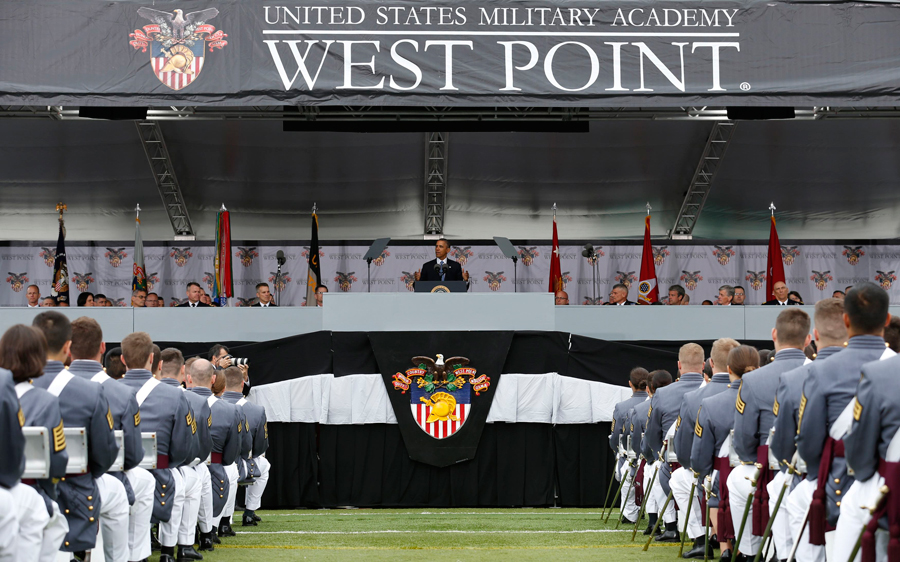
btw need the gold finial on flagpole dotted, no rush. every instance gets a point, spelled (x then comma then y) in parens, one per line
(61, 207)
(772, 208)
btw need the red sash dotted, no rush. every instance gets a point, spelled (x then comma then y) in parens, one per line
(639, 483)
(761, 495)
(726, 526)
(890, 507)
(818, 519)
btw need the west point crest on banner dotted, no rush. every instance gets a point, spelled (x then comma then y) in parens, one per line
(440, 400)
(177, 43)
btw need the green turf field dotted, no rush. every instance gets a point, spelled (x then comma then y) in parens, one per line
(441, 535)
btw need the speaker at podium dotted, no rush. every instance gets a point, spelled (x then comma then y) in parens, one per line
(441, 286)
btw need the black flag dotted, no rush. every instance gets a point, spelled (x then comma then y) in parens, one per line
(314, 277)
(60, 287)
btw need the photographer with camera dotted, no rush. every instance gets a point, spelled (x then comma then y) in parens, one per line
(221, 359)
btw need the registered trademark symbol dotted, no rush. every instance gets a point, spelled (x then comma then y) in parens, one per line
(745, 86)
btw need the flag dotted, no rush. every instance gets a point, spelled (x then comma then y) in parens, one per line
(556, 282)
(648, 292)
(139, 272)
(224, 285)
(60, 287)
(314, 275)
(774, 265)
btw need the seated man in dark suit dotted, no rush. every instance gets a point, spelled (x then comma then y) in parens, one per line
(194, 292)
(781, 296)
(264, 296)
(442, 268)
(619, 295)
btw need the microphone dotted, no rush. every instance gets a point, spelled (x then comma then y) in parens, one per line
(588, 250)
(279, 257)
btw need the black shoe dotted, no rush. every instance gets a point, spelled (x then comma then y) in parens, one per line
(651, 522)
(256, 517)
(648, 530)
(205, 541)
(627, 521)
(725, 556)
(698, 552)
(187, 552)
(166, 558)
(248, 521)
(154, 540)
(225, 530)
(668, 536)
(215, 536)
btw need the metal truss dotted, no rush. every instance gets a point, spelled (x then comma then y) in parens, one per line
(435, 181)
(164, 174)
(701, 183)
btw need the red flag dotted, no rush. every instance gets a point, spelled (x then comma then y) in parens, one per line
(648, 292)
(556, 283)
(774, 264)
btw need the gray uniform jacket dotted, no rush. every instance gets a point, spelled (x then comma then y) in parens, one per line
(243, 425)
(622, 419)
(638, 429)
(753, 415)
(665, 407)
(715, 419)
(12, 447)
(687, 419)
(223, 430)
(256, 419)
(197, 414)
(41, 409)
(787, 406)
(876, 417)
(166, 412)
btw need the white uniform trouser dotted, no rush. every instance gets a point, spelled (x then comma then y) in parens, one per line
(797, 508)
(40, 535)
(9, 523)
(114, 510)
(232, 471)
(739, 489)
(168, 530)
(781, 537)
(681, 489)
(255, 491)
(192, 496)
(143, 485)
(205, 513)
(659, 496)
(649, 470)
(854, 517)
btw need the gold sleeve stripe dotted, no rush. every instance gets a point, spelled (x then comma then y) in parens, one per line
(109, 418)
(137, 419)
(649, 411)
(678, 422)
(209, 421)
(59, 438)
(614, 425)
(266, 428)
(21, 418)
(698, 429)
(240, 427)
(739, 403)
(800, 413)
(857, 409)
(775, 407)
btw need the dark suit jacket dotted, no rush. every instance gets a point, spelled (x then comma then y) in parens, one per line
(188, 304)
(774, 302)
(627, 302)
(261, 306)
(453, 271)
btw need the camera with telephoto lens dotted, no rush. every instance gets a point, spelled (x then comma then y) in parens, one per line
(237, 361)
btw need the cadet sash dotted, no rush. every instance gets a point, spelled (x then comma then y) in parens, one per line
(22, 388)
(241, 402)
(145, 390)
(101, 377)
(59, 383)
(211, 400)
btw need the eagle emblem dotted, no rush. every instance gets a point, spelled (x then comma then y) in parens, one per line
(152, 280)
(408, 279)
(598, 253)
(245, 302)
(528, 253)
(494, 279)
(788, 254)
(48, 255)
(176, 302)
(115, 256)
(209, 279)
(592, 301)
(461, 253)
(440, 392)
(17, 281)
(279, 280)
(885, 278)
(246, 255)
(565, 278)
(626, 278)
(380, 259)
(177, 43)
(821, 279)
(853, 254)
(181, 255)
(755, 278)
(659, 255)
(345, 280)
(117, 302)
(723, 254)
(82, 280)
(690, 279)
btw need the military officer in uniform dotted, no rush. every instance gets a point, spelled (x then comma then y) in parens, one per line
(12, 464)
(826, 405)
(830, 335)
(617, 439)
(164, 410)
(753, 420)
(86, 497)
(42, 525)
(171, 373)
(637, 428)
(665, 406)
(226, 445)
(709, 450)
(683, 477)
(87, 350)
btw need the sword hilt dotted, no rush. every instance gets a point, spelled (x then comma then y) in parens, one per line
(884, 490)
(791, 468)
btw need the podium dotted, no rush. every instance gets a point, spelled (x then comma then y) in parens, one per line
(441, 286)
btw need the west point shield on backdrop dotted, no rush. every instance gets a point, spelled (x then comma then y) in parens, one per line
(441, 385)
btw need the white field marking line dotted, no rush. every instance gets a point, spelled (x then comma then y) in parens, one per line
(342, 513)
(388, 532)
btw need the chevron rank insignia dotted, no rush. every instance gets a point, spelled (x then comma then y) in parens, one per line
(698, 429)
(59, 438)
(739, 403)
(775, 406)
(137, 419)
(857, 409)
(109, 418)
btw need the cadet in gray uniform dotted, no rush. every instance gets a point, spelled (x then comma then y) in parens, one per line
(872, 450)
(82, 404)
(830, 335)
(256, 432)
(617, 439)
(42, 526)
(753, 418)
(172, 373)
(164, 410)
(665, 406)
(715, 419)
(638, 429)
(86, 350)
(826, 406)
(683, 477)
(12, 464)
(226, 444)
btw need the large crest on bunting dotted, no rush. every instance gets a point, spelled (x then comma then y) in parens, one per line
(177, 43)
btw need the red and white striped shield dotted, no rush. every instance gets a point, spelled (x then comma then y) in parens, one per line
(440, 429)
(179, 66)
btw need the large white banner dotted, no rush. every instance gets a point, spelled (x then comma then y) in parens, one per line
(815, 271)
